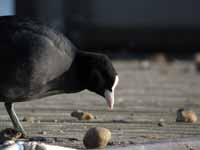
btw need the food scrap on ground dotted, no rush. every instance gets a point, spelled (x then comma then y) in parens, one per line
(186, 116)
(82, 115)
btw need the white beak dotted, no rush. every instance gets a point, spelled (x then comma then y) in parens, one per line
(109, 96)
(110, 99)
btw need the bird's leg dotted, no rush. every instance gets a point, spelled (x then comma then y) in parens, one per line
(11, 111)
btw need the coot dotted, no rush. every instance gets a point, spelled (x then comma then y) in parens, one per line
(37, 61)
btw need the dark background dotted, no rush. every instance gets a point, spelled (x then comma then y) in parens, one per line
(133, 25)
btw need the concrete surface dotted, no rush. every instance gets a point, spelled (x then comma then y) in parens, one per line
(144, 96)
(189, 144)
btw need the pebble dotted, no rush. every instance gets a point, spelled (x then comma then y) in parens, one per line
(186, 116)
(29, 119)
(161, 123)
(97, 137)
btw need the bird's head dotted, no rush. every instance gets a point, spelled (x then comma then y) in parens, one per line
(103, 79)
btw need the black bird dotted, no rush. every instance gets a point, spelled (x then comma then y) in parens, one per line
(37, 61)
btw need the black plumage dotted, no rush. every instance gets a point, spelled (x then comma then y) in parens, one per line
(36, 61)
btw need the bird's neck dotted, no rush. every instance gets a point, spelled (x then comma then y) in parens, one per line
(75, 79)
